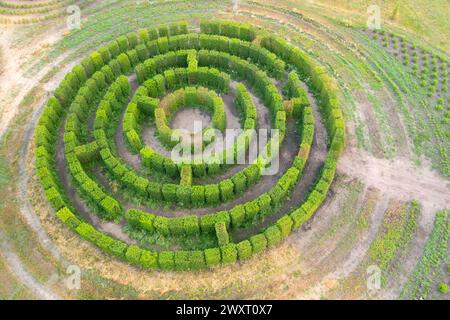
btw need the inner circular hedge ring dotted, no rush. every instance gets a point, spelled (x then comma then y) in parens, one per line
(99, 110)
(196, 97)
(143, 106)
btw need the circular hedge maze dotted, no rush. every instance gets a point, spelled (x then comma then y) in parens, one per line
(104, 139)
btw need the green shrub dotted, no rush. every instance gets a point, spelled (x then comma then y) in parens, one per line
(149, 259)
(277, 196)
(154, 191)
(226, 190)
(244, 250)
(191, 225)
(89, 66)
(162, 225)
(104, 242)
(170, 168)
(124, 62)
(182, 261)
(139, 219)
(197, 260)
(259, 243)
(163, 45)
(134, 140)
(68, 218)
(273, 235)
(252, 174)
(198, 196)
(213, 167)
(115, 67)
(222, 233)
(97, 60)
(133, 254)
(146, 222)
(140, 186)
(118, 248)
(166, 260)
(198, 169)
(285, 224)
(143, 53)
(264, 203)
(132, 216)
(212, 194)
(169, 192)
(80, 73)
(443, 288)
(184, 195)
(240, 183)
(299, 216)
(122, 41)
(186, 175)
(209, 221)
(54, 197)
(212, 257)
(251, 210)
(237, 215)
(133, 57)
(229, 253)
(157, 162)
(133, 39)
(111, 207)
(176, 226)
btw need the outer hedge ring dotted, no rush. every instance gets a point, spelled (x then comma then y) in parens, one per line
(323, 86)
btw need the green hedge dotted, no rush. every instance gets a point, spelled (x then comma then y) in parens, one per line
(222, 233)
(259, 243)
(188, 97)
(229, 29)
(226, 190)
(208, 222)
(87, 82)
(244, 250)
(229, 253)
(212, 194)
(237, 215)
(213, 257)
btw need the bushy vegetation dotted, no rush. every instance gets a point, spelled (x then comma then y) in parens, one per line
(434, 256)
(176, 69)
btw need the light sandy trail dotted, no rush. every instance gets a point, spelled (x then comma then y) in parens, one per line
(17, 268)
(12, 78)
(398, 177)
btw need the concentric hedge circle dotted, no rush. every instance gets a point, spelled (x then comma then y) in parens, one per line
(176, 68)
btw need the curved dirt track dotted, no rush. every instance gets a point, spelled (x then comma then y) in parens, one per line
(17, 268)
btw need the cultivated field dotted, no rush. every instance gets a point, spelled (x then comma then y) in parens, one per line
(346, 197)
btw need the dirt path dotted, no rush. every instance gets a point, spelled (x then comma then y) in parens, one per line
(11, 59)
(14, 78)
(17, 268)
(352, 260)
(399, 178)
